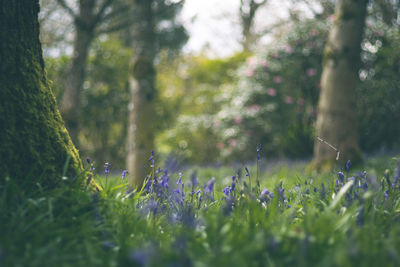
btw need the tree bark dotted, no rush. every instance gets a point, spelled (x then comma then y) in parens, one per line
(247, 12)
(336, 121)
(34, 142)
(143, 92)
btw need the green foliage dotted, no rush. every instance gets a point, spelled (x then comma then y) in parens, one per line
(378, 105)
(190, 89)
(105, 97)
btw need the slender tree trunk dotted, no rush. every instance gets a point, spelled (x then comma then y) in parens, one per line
(247, 12)
(34, 142)
(70, 103)
(143, 92)
(336, 122)
(85, 23)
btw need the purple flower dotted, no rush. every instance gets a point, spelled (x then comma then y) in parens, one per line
(124, 174)
(88, 160)
(107, 168)
(91, 168)
(198, 192)
(341, 177)
(348, 165)
(180, 179)
(247, 171)
(258, 151)
(151, 159)
(226, 191)
(209, 188)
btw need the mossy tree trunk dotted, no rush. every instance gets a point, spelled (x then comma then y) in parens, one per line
(34, 142)
(336, 122)
(143, 92)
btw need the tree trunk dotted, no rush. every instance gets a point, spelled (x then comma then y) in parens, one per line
(70, 102)
(336, 122)
(34, 142)
(143, 92)
(85, 23)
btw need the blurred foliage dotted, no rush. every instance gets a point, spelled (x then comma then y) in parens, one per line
(191, 87)
(212, 110)
(104, 101)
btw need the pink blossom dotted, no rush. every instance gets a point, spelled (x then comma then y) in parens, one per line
(233, 142)
(264, 63)
(255, 108)
(311, 72)
(300, 101)
(237, 120)
(278, 79)
(217, 123)
(288, 49)
(288, 100)
(332, 18)
(271, 92)
(251, 61)
(250, 73)
(275, 55)
(220, 145)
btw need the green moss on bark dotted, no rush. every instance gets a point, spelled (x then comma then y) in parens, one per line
(34, 142)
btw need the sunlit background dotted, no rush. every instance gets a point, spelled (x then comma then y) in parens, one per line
(218, 96)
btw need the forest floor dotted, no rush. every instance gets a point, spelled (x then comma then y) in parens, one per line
(272, 215)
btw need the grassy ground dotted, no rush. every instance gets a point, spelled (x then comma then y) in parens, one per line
(303, 220)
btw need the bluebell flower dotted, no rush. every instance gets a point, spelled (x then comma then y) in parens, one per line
(348, 165)
(91, 168)
(124, 174)
(210, 185)
(209, 188)
(151, 159)
(233, 186)
(386, 194)
(226, 191)
(88, 160)
(107, 168)
(341, 176)
(165, 180)
(247, 171)
(194, 179)
(258, 152)
(315, 189)
(180, 179)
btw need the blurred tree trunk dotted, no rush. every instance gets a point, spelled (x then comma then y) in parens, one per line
(336, 122)
(247, 12)
(70, 102)
(143, 92)
(34, 142)
(91, 20)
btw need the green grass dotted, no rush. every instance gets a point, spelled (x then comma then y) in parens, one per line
(72, 227)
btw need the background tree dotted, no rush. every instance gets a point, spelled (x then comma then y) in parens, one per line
(92, 18)
(35, 143)
(155, 27)
(247, 12)
(336, 121)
